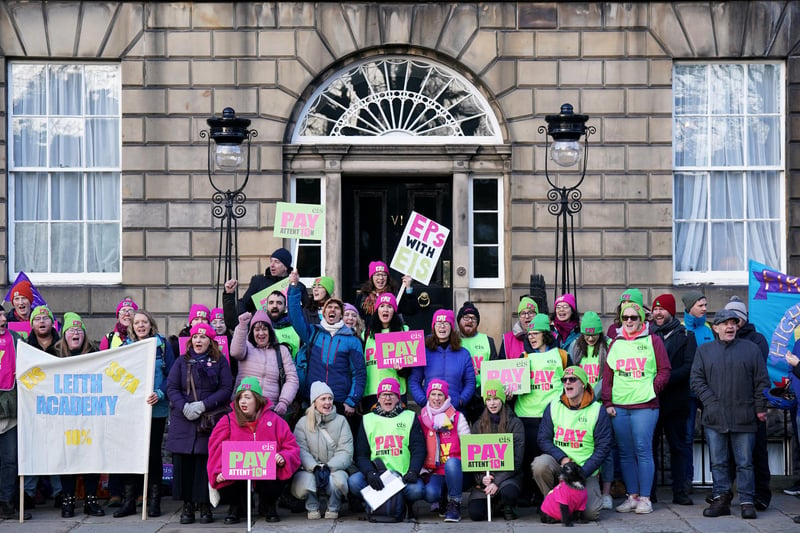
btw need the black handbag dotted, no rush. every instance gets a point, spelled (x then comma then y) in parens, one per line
(208, 419)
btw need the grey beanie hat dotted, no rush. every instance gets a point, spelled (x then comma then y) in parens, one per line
(318, 388)
(737, 306)
(691, 298)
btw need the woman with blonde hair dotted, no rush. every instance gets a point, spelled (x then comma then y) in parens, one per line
(326, 452)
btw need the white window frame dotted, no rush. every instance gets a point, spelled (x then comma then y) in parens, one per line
(499, 281)
(295, 243)
(60, 278)
(740, 277)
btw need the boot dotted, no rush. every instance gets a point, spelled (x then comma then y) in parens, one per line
(187, 515)
(154, 501)
(68, 506)
(91, 507)
(234, 515)
(206, 516)
(128, 505)
(720, 506)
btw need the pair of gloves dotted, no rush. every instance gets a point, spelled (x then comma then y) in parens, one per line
(193, 410)
(374, 479)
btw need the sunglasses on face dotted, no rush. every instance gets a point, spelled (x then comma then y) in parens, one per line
(631, 318)
(570, 379)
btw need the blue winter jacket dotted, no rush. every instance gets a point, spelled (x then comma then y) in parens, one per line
(455, 367)
(164, 361)
(337, 360)
(698, 326)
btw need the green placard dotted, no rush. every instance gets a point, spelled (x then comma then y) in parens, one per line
(494, 451)
(514, 374)
(260, 298)
(299, 221)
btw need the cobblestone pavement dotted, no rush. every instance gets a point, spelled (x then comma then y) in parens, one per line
(665, 518)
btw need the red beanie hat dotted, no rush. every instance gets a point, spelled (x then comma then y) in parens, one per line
(23, 288)
(665, 301)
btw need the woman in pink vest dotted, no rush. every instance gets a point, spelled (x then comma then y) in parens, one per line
(443, 426)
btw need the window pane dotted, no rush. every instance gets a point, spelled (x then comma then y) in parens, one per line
(66, 142)
(485, 259)
(763, 195)
(763, 89)
(102, 144)
(67, 247)
(726, 142)
(30, 247)
(103, 248)
(65, 89)
(102, 196)
(764, 140)
(307, 191)
(727, 195)
(691, 142)
(485, 229)
(727, 246)
(484, 195)
(690, 89)
(67, 198)
(27, 89)
(691, 247)
(102, 90)
(727, 89)
(763, 242)
(691, 196)
(30, 196)
(30, 142)
(309, 259)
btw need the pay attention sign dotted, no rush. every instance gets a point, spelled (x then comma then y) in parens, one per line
(400, 348)
(248, 460)
(487, 452)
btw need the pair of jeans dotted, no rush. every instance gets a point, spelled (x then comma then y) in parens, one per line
(411, 492)
(633, 430)
(741, 444)
(454, 479)
(8, 464)
(690, 422)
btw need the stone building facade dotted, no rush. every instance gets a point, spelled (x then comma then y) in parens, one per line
(181, 62)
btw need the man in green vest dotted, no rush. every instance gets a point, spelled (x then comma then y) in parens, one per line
(279, 315)
(480, 347)
(574, 428)
(393, 435)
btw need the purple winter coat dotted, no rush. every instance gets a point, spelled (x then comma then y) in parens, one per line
(213, 382)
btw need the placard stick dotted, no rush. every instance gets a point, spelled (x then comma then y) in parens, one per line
(489, 502)
(144, 497)
(249, 506)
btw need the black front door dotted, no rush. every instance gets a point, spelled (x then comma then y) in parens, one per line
(375, 210)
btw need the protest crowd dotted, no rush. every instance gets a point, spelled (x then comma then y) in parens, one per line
(569, 422)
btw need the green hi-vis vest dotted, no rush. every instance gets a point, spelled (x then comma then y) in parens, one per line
(374, 374)
(389, 439)
(590, 363)
(573, 429)
(634, 365)
(290, 338)
(547, 368)
(479, 351)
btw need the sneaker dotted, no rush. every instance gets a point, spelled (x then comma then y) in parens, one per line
(331, 515)
(628, 505)
(748, 511)
(608, 502)
(453, 513)
(794, 490)
(314, 515)
(645, 506)
(435, 508)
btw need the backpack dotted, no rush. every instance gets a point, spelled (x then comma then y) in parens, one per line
(392, 510)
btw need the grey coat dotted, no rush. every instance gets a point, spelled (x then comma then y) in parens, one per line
(316, 450)
(730, 378)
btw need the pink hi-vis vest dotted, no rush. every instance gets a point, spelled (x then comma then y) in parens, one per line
(443, 444)
(514, 348)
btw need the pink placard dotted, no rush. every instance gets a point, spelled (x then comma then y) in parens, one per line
(222, 341)
(23, 328)
(248, 460)
(404, 347)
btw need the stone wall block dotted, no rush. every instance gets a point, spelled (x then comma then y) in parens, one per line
(363, 20)
(144, 158)
(605, 215)
(666, 28)
(206, 243)
(104, 300)
(144, 101)
(151, 44)
(160, 72)
(197, 272)
(243, 99)
(273, 43)
(132, 186)
(30, 17)
(167, 243)
(144, 215)
(522, 215)
(695, 18)
(212, 72)
(625, 187)
(650, 272)
(537, 73)
(518, 103)
(602, 101)
(538, 15)
(588, 243)
(579, 14)
(762, 23)
(543, 219)
(631, 72)
(166, 186)
(212, 15)
(606, 158)
(500, 77)
(558, 44)
(63, 16)
(602, 271)
(649, 158)
(190, 215)
(521, 160)
(271, 159)
(497, 15)
(643, 215)
(10, 44)
(643, 43)
(148, 273)
(661, 244)
(255, 14)
(97, 17)
(396, 23)
(481, 51)
(786, 36)
(234, 43)
(193, 101)
(296, 14)
(649, 101)
(660, 72)
(132, 72)
(429, 19)
(256, 72)
(459, 29)
(625, 15)
(169, 15)
(625, 243)
(132, 244)
(515, 43)
(63, 299)
(524, 130)
(312, 52)
(549, 101)
(293, 78)
(183, 158)
(660, 186)
(623, 130)
(521, 270)
(191, 44)
(334, 29)
(582, 73)
(133, 130)
(603, 43)
(168, 300)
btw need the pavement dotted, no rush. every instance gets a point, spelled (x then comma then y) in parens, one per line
(666, 518)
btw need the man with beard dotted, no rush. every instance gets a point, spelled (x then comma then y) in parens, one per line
(674, 399)
(480, 347)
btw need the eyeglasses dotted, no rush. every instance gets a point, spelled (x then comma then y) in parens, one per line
(631, 318)
(569, 379)
(563, 307)
(526, 314)
(469, 318)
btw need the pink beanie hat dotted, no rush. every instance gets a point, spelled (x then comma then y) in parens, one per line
(389, 385)
(437, 384)
(444, 315)
(386, 298)
(199, 311)
(567, 298)
(377, 266)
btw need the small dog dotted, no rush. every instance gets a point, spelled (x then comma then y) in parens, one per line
(567, 501)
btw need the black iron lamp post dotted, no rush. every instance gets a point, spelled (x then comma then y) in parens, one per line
(566, 150)
(226, 134)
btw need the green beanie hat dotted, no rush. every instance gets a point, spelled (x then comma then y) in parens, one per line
(250, 383)
(540, 322)
(73, 320)
(591, 324)
(42, 310)
(327, 284)
(632, 305)
(493, 387)
(578, 372)
(632, 295)
(527, 303)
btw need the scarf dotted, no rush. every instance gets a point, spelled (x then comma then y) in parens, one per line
(389, 414)
(631, 336)
(565, 328)
(324, 419)
(369, 303)
(333, 329)
(438, 420)
(122, 331)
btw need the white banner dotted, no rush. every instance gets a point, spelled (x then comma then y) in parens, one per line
(418, 251)
(86, 413)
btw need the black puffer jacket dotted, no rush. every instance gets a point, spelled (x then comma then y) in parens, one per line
(681, 347)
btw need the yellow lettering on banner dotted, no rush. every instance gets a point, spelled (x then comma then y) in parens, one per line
(32, 377)
(126, 380)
